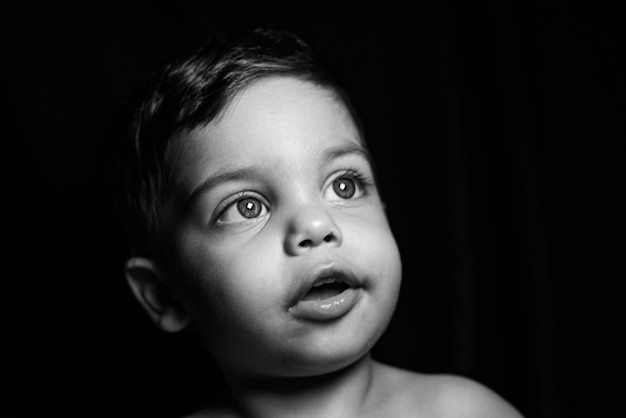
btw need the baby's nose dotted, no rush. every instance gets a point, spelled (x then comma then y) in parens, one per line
(309, 228)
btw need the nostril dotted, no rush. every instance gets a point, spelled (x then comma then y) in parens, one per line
(329, 238)
(305, 243)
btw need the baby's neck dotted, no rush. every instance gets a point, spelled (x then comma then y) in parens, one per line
(338, 394)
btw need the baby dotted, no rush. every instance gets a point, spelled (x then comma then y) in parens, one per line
(255, 220)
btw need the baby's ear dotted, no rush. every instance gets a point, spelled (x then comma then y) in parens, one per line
(147, 284)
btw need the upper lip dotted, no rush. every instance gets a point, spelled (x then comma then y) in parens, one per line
(325, 274)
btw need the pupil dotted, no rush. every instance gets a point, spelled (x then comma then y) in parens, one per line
(344, 188)
(249, 208)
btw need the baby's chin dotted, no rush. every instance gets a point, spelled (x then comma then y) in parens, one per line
(297, 362)
(310, 362)
(332, 352)
(318, 367)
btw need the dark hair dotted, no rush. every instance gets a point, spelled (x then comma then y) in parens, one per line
(190, 93)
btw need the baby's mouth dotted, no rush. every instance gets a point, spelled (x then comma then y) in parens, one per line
(325, 289)
(331, 295)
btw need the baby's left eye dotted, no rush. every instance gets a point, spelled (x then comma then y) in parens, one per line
(243, 208)
(346, 186)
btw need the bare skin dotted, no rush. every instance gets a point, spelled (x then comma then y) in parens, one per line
(272, 200)
(367, 389)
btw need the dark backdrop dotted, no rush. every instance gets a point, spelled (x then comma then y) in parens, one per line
(496, 127)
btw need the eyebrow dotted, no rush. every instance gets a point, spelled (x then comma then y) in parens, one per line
(255, 171)
(224, 177)
(332, 153)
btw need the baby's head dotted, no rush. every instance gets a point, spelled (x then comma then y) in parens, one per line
(255, 216)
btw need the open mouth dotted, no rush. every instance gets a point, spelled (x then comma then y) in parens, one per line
(325, 289)
(330, 296)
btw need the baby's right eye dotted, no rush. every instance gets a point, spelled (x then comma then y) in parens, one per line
(242, 209)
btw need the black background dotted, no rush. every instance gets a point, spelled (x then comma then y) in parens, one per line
(496, 127)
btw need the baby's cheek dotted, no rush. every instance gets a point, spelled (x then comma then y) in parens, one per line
(372, 236)
(380, 260)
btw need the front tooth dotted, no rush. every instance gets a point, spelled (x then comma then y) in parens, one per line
(324, 281)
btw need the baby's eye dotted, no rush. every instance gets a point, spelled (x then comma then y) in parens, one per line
(346, 186)
(243, 209)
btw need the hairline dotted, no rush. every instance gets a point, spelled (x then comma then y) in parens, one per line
(155, 191)
(334, 91)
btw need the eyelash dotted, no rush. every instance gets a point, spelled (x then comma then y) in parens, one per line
(234, 199)
(365, 183)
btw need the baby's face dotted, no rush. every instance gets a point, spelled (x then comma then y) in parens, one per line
(282, 253)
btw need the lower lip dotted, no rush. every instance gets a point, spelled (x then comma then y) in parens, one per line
(327, 309)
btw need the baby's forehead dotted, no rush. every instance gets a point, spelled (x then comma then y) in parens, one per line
(268, 106)
(290, 89)
(279, 122)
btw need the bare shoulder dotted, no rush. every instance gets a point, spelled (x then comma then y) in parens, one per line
(446, 396)
(461, 397)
